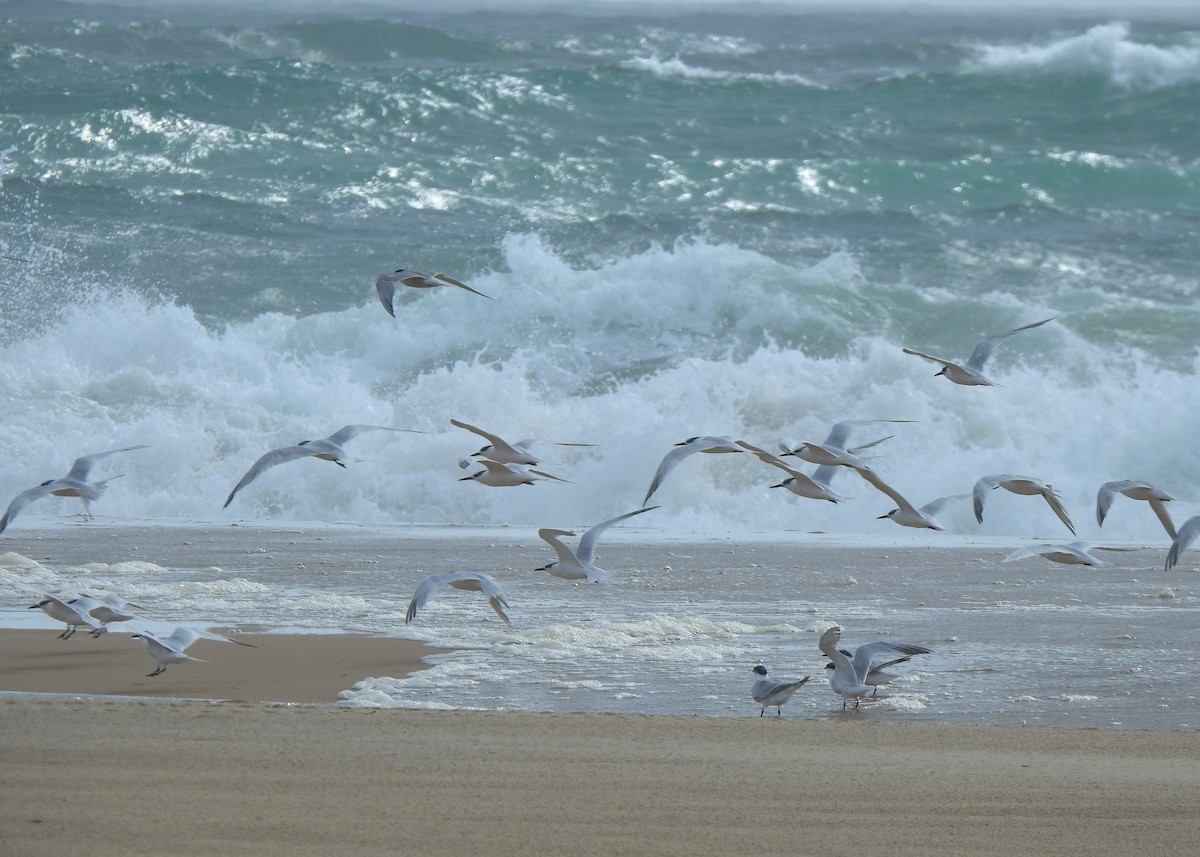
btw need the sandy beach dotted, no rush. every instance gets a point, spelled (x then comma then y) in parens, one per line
(155, 777)
(250, 753)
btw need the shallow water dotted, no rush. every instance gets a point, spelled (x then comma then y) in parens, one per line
(681, 620)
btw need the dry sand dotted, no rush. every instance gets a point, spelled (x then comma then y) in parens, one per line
(160, 777)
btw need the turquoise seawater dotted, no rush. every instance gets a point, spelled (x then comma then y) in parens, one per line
(691, 222)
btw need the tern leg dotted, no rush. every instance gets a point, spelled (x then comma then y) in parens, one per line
(157, 671)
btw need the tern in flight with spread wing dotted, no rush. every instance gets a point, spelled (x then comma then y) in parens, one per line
(683, 449)
(1072, 553)
(833, 452)
(386, 285)
(814, 486)
(468, 581)
(579, 564)
(1026, 485)
(503, 452)
(1156, 497)
(327, 449)
(970, 374)
(74, 484)
(907, 515)
(171, 649)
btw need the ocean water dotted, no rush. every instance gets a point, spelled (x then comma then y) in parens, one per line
(691, 222)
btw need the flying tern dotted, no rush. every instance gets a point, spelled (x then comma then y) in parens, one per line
(74, 484)
(814, 486)
(579, 564)
(681, 450)
(74, 615)
(468, 581)
(499, 475)
(770, 691)
(1026, 485)
(171, 649)
(327, 449)
(500, 450)
(385, 286)
(833, 451)
(970, 374)
(1183, 540)
(106, 609)
(1156, 497)
(1073, 553)
(906, 515)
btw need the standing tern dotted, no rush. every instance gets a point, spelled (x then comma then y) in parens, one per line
(814, 486)
(849, 676)
(1156, 497)
(468, 581)
(833, 451)
(906, 515)
(580, 563)
(327, 449)
(681, 450)
(1026, 485)
(1072, 553)
(385, 286)
(171, 649)
(970, 374)
(770, 691)
(74, 484)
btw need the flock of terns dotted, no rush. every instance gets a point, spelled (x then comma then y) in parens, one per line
(853, 674)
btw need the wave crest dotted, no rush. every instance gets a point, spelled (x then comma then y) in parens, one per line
(1106, 50)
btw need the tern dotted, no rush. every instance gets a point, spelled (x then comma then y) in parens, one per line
(814, 486)
(64, 610)
(1183, 540)
(171, 649)
(327, 449)
(877, 675)
(770, 691)
(579, 564)
(833, 452)
(74, 484)
(1020, 485)
(906, 515)
(106, 609)
(500, 450)
(1073, 553)
(499, 475)
(1156, 497)
(970, 374)
(469, 581)
(681, 450)
(386, 285)
(850, 673)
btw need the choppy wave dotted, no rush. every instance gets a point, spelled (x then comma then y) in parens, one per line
(1108, 51)
(634, 357)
